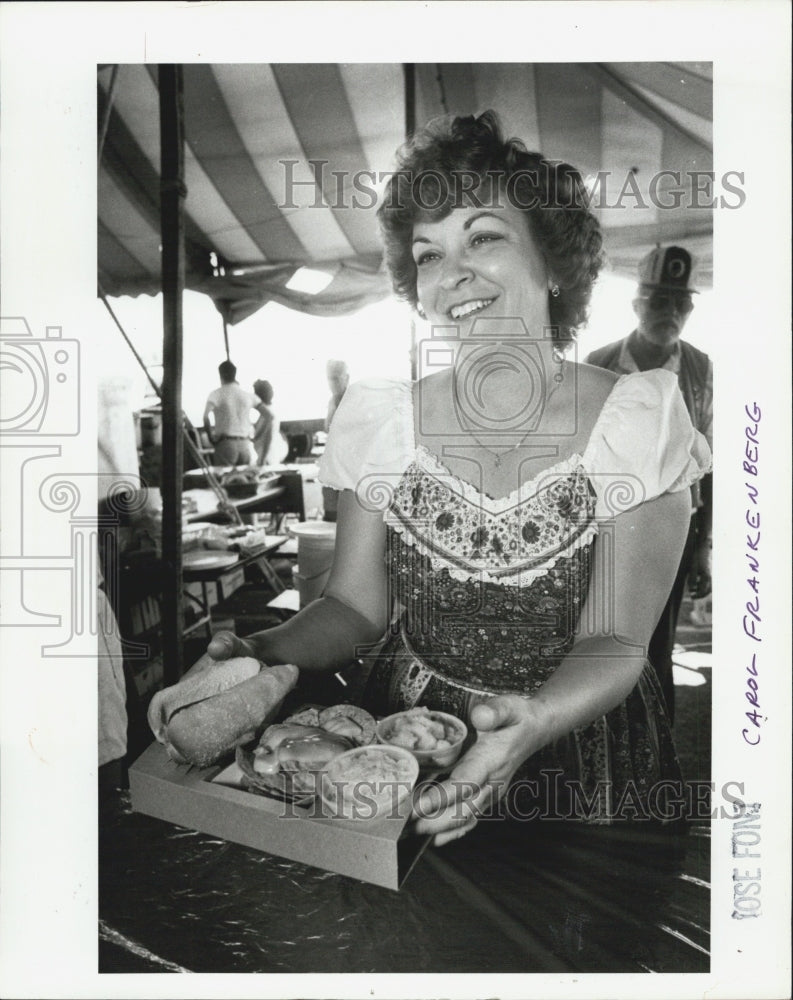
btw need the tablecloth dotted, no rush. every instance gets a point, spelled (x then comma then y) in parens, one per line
(509, 897)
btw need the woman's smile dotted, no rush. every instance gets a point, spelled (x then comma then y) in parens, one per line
(469, 308)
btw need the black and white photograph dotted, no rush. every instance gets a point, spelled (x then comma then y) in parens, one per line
(395, 438)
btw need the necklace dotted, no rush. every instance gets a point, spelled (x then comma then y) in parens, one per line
(499, 456)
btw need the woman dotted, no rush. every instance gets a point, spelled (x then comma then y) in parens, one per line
(338, 376)
(267, 423)
(472, 499)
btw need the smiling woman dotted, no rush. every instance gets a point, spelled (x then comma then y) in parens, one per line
(470, 166)
(510, 524)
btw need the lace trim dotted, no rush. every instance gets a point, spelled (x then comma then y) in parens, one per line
(430, 463)
(517, 578)
(492, 540)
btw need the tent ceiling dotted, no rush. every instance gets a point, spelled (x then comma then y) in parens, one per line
(257, 209)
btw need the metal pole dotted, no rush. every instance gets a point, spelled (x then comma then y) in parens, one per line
(172, 193)
(409, 71)
(226, 338)
(130, 345)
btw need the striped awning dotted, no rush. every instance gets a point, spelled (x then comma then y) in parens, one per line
(283, 162)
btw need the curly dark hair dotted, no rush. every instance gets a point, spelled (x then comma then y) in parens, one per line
(455, 162)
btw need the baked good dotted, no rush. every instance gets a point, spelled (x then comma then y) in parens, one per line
(214, 708)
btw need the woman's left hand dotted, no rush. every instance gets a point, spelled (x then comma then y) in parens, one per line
(699, 573)
(507, 734)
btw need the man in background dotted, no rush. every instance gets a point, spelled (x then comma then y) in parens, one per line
(230, 428)
(664, 301)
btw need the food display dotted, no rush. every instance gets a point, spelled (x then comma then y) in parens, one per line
(290, 756)
(312, 787)
(345, 720)
(224, 707)
(241, 483)
(350, 721)
(243, 538)
(217, 705)
(435, 738)
(368, 782)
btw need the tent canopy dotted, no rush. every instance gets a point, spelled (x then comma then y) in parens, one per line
(282, 164)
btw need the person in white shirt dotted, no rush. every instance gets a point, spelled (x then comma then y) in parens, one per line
(227, 418)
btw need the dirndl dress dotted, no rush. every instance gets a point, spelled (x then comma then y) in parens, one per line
(488, 592)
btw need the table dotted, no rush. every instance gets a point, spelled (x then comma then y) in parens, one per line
(259, 556)
(509, 897)
(207, 503)
(280, 494)
(139, 591)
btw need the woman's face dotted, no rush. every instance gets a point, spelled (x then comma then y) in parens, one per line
(480, 262)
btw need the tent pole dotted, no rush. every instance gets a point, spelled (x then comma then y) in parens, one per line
(172, 193)
(409, 72)
(226, 338)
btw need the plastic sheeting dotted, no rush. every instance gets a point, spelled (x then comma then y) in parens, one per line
(352, 285)
(509, 897)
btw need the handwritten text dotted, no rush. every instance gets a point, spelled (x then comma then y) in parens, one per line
(752, 620)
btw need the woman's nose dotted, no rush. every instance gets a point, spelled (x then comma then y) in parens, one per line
(456, 271)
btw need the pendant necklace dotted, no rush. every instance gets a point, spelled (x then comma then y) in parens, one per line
(499, 456)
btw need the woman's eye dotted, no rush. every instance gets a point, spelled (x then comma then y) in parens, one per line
(427, 257)
(479, 238)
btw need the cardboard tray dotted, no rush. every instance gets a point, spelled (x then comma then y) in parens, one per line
(213, 801)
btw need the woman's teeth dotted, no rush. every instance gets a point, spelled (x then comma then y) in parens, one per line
(458, 312)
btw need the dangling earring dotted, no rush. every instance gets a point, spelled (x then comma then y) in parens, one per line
(420, 310)
(555, 290)
(558, 355)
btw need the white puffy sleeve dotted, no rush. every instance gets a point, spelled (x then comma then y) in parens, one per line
(371, 440)
(643, 444)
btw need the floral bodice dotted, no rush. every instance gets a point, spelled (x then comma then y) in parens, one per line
(491, 589)
(510, 540)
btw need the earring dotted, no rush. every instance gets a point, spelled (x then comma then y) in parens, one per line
(555, 290)
(420, 310)
(558, 355)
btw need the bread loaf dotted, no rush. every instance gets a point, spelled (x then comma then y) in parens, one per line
(200, 733)
(206, 678)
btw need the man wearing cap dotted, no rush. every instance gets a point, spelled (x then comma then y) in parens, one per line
(230, 408)
(663, 303)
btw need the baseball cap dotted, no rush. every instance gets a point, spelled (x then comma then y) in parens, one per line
(668, 268)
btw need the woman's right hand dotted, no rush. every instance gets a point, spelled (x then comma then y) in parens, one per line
(225, 645)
